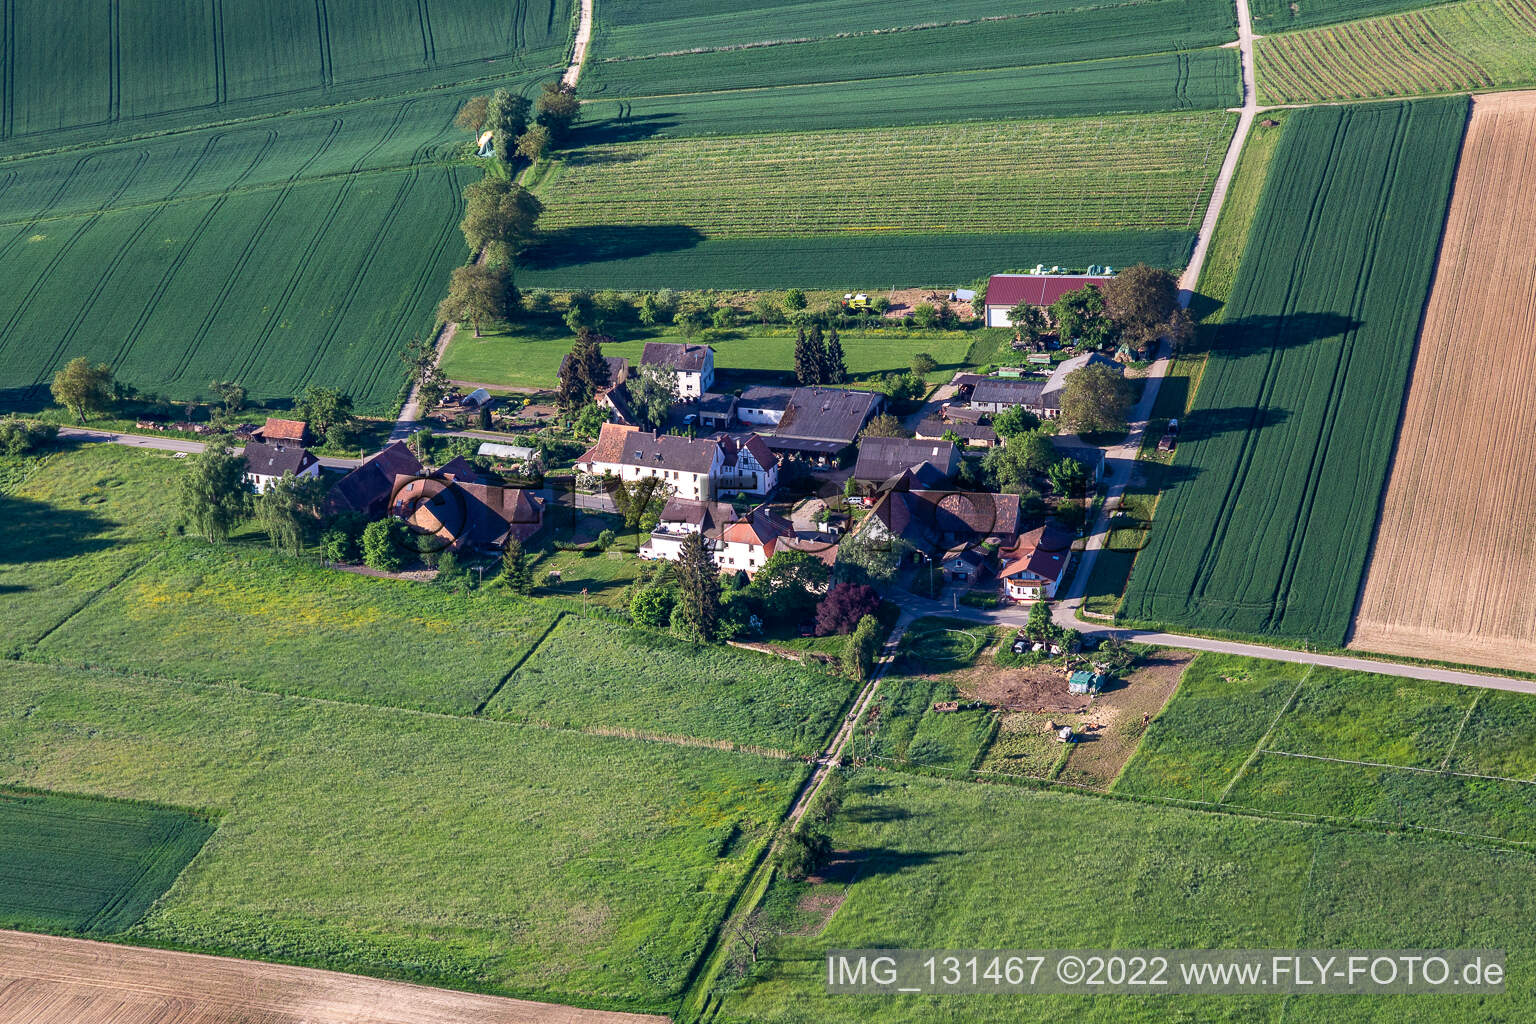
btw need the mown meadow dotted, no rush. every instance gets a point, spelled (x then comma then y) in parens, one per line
(450, 851)
(598, 675)
(1264, 527)
(529, 354)
(953, 865)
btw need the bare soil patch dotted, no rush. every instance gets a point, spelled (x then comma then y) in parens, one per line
(1452, 575)
(1107, 728)
(49, 980)
(904, 300)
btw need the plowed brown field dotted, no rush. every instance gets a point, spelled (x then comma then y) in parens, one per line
(48, 980)
(1453, 572)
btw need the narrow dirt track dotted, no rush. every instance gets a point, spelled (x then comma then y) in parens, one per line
(49, 980)
(1452, 574)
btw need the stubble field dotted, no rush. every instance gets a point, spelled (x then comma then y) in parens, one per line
(1452, 575)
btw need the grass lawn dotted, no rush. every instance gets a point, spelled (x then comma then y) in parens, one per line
(451, 851)
(238, 614)
(92, 867)
(528, 355)
(955, 865)
(593, 673)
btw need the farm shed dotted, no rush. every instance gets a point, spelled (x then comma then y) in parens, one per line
(1004, 291)
(1082, 681)
(515, 452)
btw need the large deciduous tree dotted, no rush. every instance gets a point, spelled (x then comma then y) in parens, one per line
(84, 389)
(1095, 398)
(789, 583)
(1082, 319)
(843, 607)
(652, 396)
(557, 109)
(1029, 325)
(1143, 302)
(501, 215)
(476, 293)
(328, 412)
(289, 510)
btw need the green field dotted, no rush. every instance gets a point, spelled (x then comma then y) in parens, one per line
(529, 355)
(191, 193)
(1281, 15)
(1060, 175)
(214, 615)
(81, 522)
(79, 71)
(641, 258)
(1282, 459)
(303, 250)
(1343, 746)
(91, 867)
(640, 28)
(700, 55)
(949, 865)
(445, 850)
(594, 674)
(1457, 47)
(1198, 80)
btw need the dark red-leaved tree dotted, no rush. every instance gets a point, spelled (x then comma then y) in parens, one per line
(843, 607)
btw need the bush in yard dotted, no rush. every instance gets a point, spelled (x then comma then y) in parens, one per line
(843, 607)
(339, 546)
(605, 540)
(381, 545)
(652, 605)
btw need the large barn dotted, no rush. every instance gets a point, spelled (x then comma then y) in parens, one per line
(1004, 291)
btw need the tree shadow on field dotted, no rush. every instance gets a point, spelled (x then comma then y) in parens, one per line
(621, 129)
(874, 861)
(598, 243)
(38, 531)
(1202, 424)
(1250, 334)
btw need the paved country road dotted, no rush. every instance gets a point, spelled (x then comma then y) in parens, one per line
(1062, 615)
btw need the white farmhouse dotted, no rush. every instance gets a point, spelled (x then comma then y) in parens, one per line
(691, 467)
(266, 463)
(694, 365)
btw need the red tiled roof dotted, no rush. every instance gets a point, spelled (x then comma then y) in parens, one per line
(284, 430)
(1036, 289)
(609, 446)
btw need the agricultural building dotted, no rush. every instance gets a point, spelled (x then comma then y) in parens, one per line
(937, 521)
(1004, 291)
(714, 411)
(366, 490)
(763, 404)
(883, 458)
(822, 424)
(267, 463)
(463, 515)
(276, 431)
(974, 434)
